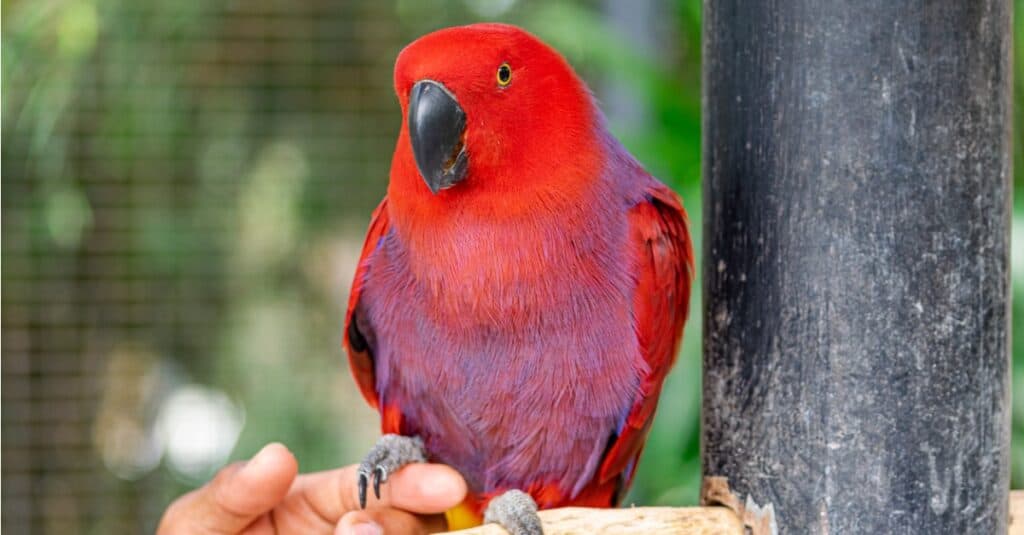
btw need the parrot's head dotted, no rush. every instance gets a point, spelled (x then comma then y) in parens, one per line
(489, 109)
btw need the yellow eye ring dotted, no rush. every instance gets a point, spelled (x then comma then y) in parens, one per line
(504, 75)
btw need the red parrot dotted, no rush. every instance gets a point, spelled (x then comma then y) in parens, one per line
(523, 286)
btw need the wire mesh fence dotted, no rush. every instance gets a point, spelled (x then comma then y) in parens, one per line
(174, 173)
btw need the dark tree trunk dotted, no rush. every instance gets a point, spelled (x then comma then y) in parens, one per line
(857, 210)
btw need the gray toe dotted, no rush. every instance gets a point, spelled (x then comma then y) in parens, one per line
(515, 511)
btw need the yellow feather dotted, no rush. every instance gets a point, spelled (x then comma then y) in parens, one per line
(462, 517)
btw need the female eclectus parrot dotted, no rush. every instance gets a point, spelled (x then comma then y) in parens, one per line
(523, 286)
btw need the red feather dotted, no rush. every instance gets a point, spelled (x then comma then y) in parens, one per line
(359, 357)
(664, 273)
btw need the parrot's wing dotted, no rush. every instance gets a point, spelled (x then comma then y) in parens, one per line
(358, 334)
(665, 269)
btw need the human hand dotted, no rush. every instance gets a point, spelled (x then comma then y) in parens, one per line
(265, 496)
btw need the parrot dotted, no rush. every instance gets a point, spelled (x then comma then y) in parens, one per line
(523, 286)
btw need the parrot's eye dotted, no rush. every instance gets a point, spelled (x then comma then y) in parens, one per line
(504, 75)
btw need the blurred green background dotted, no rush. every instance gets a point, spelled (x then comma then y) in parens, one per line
(186, 185)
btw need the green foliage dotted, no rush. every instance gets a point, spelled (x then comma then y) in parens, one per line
(1017, 254)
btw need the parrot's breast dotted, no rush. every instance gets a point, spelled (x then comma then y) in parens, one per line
(509, 346)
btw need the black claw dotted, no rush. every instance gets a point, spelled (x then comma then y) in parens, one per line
(378, 477)
(362, 490)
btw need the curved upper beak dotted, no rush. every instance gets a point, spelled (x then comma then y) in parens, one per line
(436, 127)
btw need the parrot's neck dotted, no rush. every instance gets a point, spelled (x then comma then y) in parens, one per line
(518, 256)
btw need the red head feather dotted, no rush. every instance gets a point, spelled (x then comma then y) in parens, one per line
(533, 137)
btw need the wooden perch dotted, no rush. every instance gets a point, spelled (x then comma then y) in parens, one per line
(1015, 523)
(666, 520)
(637, 520)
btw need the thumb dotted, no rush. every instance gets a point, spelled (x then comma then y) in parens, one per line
(238, 495)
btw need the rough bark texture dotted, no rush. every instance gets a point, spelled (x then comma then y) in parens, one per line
(857, 209)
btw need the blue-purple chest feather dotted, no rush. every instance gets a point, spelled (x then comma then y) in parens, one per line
(510, 346)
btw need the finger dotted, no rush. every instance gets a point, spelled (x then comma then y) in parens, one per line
(418, 488)
(237, 496)
(423, 488)
(380, 521)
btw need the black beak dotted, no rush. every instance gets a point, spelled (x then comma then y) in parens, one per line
(436, 127)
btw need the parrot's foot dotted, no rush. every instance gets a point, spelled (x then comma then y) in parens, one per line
(515, 511)
(390, 453)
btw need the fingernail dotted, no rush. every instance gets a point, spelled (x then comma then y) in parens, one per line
(259, 460)
(440, 486)
(367, 528)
